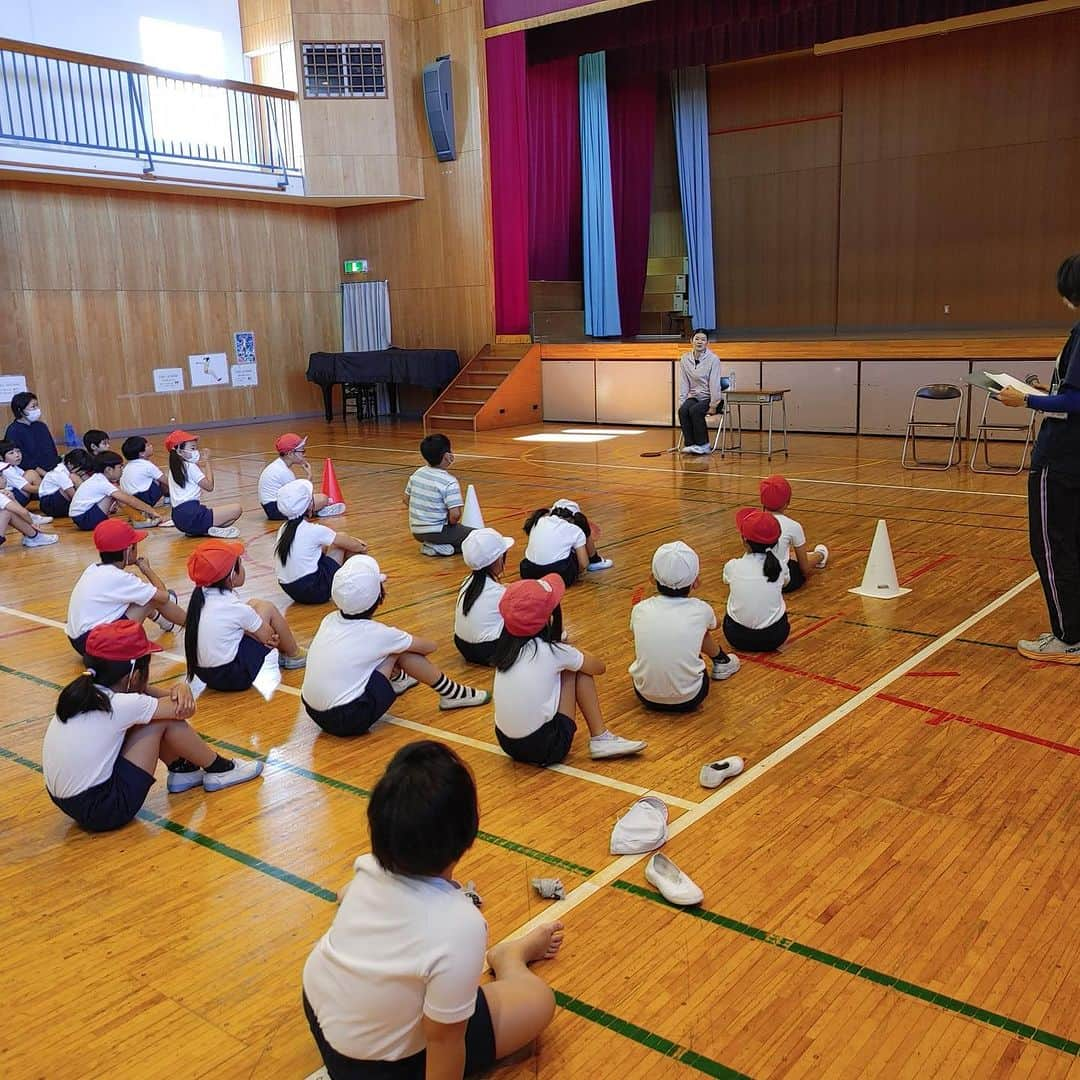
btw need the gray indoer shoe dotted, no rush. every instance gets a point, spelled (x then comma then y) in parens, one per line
(1046, 647)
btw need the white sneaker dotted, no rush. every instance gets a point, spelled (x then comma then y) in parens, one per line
(402, 682)
(674, 885)
(40, 519)
(240, 773)
(470, 698)
(686, 449)
(293, 663)
(333, 510)
(610, 745)
(823, 551)
(1045, 647)
(184, 781)
(704, 448)
(724, 669)
(436, 549)
(40, 540)
(715, 773)
(223, 532)
(146, 523)
(600, 564)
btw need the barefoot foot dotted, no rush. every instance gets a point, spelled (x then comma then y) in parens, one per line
(539, 944)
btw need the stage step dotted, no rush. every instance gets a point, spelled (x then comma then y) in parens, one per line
(490, 391)
(443, 422)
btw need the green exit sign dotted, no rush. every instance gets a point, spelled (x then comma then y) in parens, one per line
(356, 266)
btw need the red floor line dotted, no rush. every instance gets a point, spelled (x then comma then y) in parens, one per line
(933, 564)
(815, 626)
(24, 630)
(755, 659)
(932, 675)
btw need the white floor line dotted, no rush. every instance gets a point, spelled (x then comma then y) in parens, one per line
(613, 871)
(711, 472)
(434, 732)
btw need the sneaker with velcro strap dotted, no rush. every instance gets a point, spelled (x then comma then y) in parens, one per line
(1046, 647)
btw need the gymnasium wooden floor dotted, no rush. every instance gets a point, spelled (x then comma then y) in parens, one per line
(891, 889)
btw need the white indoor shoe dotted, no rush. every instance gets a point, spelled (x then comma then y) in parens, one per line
(333, 510)
(223, 532)
(673, 884)
(432, 550)
(240, 773)
(40, 540)
(823, 551)
(402, 682)
(724, 669)
(716, 772)
(610, 745)
(40, 519)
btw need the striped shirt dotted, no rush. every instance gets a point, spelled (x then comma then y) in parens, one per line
(431, 493)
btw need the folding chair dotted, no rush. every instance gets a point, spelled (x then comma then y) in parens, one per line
(983, 436)
(933, 392)
(716, 421)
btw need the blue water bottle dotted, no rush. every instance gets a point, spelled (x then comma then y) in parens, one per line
(70, 438)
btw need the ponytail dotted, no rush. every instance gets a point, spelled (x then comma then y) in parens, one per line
(534, 517)
(509, 646)
(194, 615)
(85, 695)
(771, 566)
(474, 587)
(285, 539)
(177, 467)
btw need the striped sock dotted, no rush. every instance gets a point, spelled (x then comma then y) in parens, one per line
(447, 688)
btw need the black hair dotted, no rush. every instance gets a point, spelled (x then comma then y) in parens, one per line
(77, 459)
(94, 437)
(6, 446)
(288, 535)
(433, 448)
(772, 566)
(20, 401)
(194, 615)
(509, 646)
(1068, 279)
(699, 330)
(667, 590)
(132, 446)
(564, 512)
(84, 695)
(107, 459)
(177, 467)
(112, 557)
(423, 814)
(475, 587)
(361, 614)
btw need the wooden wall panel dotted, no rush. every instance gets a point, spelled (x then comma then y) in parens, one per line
(760, 92)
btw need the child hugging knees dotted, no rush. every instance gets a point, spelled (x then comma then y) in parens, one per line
(796, 562)
(477, 622)
(561, 541)
(756, 618)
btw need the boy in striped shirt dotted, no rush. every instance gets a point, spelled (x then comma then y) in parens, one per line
(434, 500)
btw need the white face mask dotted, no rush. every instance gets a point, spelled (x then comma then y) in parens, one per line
(33, 415)
(190, 455)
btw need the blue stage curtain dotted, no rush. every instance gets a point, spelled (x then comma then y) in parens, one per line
(690, 106)
(597, 211)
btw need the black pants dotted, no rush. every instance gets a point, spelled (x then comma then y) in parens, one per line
(692, 413)
(476, 652)
(1054, 533)
(798, 578)
(768, 639)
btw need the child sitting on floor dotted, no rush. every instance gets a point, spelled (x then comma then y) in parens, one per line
(24, 485)
(540, 683)
(278, 473)
(356, 665)
(671, 631)
(434, 500)
(58, 485)
(187, 482)
(11, 513)
(97, 496)
(141, 477)
(756, 618)
(96, 441)
(561, 541)
(477, 622)
(775, 494)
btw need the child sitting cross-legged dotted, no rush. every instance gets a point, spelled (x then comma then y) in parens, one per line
(796, 563)
(756, 618)
(477, 622)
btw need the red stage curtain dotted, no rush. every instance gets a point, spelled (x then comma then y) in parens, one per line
(554, 172)
(632, 134)
(509, 181)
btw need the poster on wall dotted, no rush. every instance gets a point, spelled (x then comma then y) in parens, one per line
(245, 375)
(168, 380)
(209, 369)
(244, 344)
(10, 385)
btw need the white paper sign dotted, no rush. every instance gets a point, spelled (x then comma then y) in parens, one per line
(244, 344)
(245, 375)
(209, 369)
(10, 385)
(168, 380)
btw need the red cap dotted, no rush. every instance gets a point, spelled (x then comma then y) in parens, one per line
(177, 437)
(120, 640)
(116, 534)
(757, 525)
(775, 493)
(290, 441)
(527, 605)
(213, 560)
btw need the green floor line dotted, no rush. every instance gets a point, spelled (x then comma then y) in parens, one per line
(29, 678)
(851, 967)
(644, 1037)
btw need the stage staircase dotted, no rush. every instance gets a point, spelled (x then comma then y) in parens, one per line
(499, 387)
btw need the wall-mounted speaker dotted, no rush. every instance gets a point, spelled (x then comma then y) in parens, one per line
(439, 106)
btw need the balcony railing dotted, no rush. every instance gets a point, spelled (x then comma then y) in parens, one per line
(79, 102)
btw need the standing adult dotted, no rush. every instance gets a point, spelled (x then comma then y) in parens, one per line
(700, 392)
(1054, 489)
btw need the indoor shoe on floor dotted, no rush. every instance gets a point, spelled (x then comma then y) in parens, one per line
(436, 549)
(293, 663)
(823, 551)
(402, 682)
(184, 781)
(40, 519)
(672, 883)
(716, 772)
(223, 532)
(240, 773)
(724, 669)
(1045, 647)
(610, 745)
(333, 510)
(40, 540)
(466, 700)
(597, 562)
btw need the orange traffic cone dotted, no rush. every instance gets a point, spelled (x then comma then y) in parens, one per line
(330, 486)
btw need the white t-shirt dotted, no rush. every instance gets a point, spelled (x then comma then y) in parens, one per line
(400, 948)
(668, 631)
(552, 539)
(4, 501)
(182, 493)
(16, 477)
(483, 623)
(527, 696)
(272, 479)
(224, 621)
(754, 602)
(58, 479)
(792, 535)
(307, 548)
(90, 492)
(138, 475)
(80, 753)
(102, 595)
(342, 656)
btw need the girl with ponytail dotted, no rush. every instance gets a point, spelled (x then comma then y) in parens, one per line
(308, 555)
(756, 618)
(187, 482)
(112, 727)
(477, 622)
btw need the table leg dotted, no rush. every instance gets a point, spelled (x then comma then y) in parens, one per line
(783, 413)
(768, 456)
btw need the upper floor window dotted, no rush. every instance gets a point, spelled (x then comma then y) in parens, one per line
(344, 69)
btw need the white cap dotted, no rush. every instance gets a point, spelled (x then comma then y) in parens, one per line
(642, 828)
(483, 546)
(566, 504)
(294, 498)
(357, 584)
(675, 565)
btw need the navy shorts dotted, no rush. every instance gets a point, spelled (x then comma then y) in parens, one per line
(240, 672)
(547, 745)
(314, 588)
(797, 577)
(152, 495)
(568, 569)
(20, 496)
(477, 652)
(90, 519)
(112, 803)
(272, 512)
(192, 518)
(678, 706)
(479, 1050)
(768, 639)
(79, 643)
(356, 717)
(54, 504)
